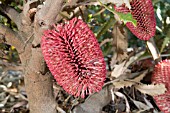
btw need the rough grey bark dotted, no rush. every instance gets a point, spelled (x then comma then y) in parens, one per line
(31, 23)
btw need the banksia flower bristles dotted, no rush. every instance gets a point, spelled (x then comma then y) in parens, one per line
(74, 57)
(162, 75)
(143, 12)
(122, 9)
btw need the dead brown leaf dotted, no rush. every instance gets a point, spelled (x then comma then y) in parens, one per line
(122, 84)
(118, 2)
(119, 70)
(2, 103)
(95, 102)
(140, 77)
(19, 104)
(121, 95)
(152, 89)
(120, 41)
(128, 83)
(140, 105)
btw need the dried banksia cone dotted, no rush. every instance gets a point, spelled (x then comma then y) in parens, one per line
(143, 12)
(162, 75)
(74, 57)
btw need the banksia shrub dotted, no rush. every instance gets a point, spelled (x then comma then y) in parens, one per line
(74, 57)
(143, 12)
(162, 75)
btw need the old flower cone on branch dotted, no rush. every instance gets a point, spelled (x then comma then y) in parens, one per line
(162, 75)
(143, 12)
(74, 57)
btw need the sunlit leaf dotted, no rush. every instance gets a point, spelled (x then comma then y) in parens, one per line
(123, 17)
(152, 89)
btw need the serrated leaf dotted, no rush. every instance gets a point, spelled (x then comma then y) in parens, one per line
(119, 70)
(128, 83)
(123, 17)
(122, 84)
(152, 89)
(140, 77)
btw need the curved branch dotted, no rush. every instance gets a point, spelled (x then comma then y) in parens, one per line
(50, 11)
(45, 17)
(11, 37)
(11, 13)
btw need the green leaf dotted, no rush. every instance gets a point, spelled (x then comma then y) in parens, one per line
(127, 18)
(123, 17)
(166, 41)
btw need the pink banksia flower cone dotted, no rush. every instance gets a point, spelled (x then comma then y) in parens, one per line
(162, 75)
(74, 57)
(143, 12)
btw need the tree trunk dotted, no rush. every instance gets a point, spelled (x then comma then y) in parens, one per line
(38, 86)
(38, 80)
(40, 97)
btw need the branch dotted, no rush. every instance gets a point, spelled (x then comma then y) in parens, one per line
(11, 13)
(45, 17)
(11, 37)
(153, 50)
(50, 11)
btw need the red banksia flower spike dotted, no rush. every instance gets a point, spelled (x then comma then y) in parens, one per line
(143, 12)
(162, 75)
(74, 57)
(122, 9)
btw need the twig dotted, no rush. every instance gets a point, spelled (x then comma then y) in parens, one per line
(46, 13)
(98, 13)
(153, 50)
(149, 56)
(11, 37)
(105, 41)
(11, 13)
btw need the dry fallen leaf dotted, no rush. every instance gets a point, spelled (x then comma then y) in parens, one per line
(152, 89)
(140, 77)
(122, 84)
(128, 83)
(2, 103)
(140, 105)
(118, 2)
(120, 41)
(19, 104)
(95, 102)
(118, 70)
(121, 95)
